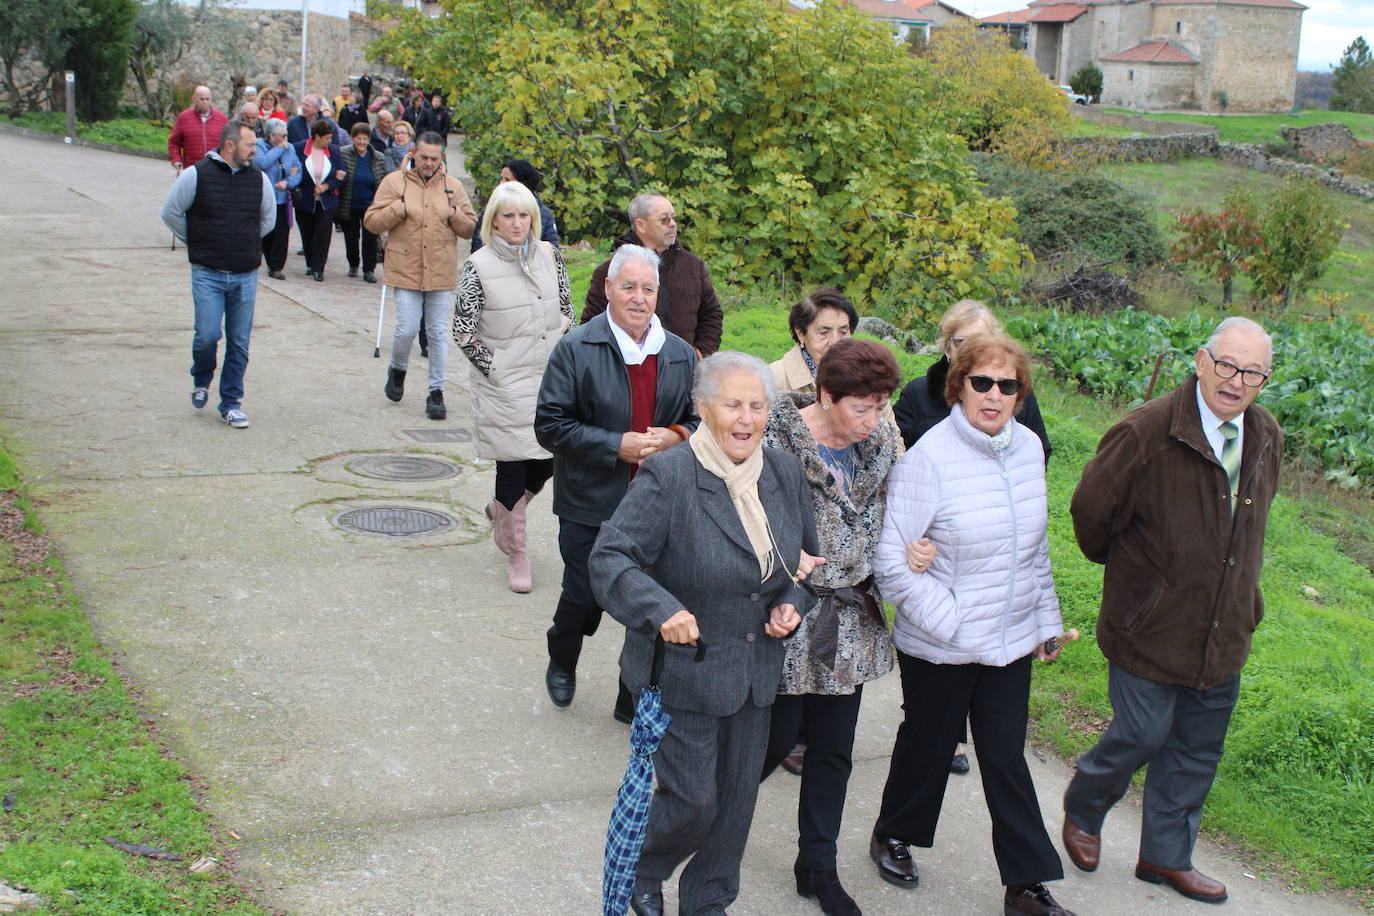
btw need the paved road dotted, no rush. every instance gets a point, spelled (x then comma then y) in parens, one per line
(369, 714)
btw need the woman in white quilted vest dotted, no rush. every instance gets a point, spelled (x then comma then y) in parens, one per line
(514, 303)
(968, 628)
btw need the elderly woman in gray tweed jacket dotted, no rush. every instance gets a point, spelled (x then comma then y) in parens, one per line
(967, 630)
(846, 449)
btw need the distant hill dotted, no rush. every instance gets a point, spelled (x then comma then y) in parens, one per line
(1314, 89)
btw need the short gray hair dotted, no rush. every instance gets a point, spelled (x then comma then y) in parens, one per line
(639, 207)
(626, 253)
(1240, 323)
(274, 126)
(706, 377)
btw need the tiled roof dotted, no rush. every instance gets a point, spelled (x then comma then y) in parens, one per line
(1281, 4)
(1058, 12)
(886, 9)
(1012, 18)
(1153, 52)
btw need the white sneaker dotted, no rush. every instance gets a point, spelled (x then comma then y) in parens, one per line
(235, 418)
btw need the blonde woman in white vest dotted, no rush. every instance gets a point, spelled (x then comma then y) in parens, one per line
(514, 303)
(513, 306)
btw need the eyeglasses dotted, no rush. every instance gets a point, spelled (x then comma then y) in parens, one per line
(983, 384)
(1250, 378)
(668, 220)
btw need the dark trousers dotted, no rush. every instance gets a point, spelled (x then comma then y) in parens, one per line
(577, 615)
(828, 723)
(274, 243)
(352, 229)
(316, 230)
(513, 478)
(935, 700)
(707, 774)
(1179, 733)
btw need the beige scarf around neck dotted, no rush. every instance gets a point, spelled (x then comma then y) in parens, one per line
(742, 483)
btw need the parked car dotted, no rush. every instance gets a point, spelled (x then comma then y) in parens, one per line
(1075, 97)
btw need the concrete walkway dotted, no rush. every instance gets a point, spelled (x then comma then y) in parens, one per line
(369, 713)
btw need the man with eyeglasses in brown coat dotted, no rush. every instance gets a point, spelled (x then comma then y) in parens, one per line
(1175, 506)
(687, 303)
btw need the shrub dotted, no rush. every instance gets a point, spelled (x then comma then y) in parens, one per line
(1085, 214)
(1299, 232)
(1087, 80)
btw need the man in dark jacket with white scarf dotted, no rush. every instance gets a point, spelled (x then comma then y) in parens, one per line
(1175, 504)
(616, 390)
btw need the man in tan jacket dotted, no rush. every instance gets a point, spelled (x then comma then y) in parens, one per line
(426, 211)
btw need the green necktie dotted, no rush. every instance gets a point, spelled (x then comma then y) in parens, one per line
(1230, 459)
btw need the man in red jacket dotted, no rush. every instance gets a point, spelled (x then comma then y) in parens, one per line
(196, 131)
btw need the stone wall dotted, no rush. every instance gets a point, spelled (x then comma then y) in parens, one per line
(1249, 53)
(1322, 142)
(1254, 157)
(1161, 148)
(1149, 86)
(336, 52)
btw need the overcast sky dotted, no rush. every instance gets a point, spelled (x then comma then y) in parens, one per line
(1328, 26)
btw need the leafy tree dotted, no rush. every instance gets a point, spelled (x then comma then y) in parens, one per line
(801, 145)
(1352, 80)
(989, 88)
(1087, 80)
(36, 32)
(98, 54)
(161, 35)
(1300, 231)
(1221, 243)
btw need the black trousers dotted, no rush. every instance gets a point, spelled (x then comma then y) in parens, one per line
(577, 615)
(317, 227)
(828, 723)
(275, 242)
(352, 229)
(935, 700)
(513, 478)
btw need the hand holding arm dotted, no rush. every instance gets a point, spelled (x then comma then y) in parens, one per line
(782, 620)
(919, 554)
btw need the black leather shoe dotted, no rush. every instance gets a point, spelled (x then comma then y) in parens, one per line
(352, 271)
(826, 888)
(895, 865)
(369, 277)
(959, 765)
(276, 275)
(647, 903)
(562, 685)
(319, 276)
(1033, 899)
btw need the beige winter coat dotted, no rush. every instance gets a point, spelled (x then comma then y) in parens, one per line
(424, 220)
(516, 312)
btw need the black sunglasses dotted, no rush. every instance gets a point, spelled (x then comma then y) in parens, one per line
(983, 384)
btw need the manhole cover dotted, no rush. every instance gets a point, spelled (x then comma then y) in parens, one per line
(396, 522)
(439, 435)
(401, 467)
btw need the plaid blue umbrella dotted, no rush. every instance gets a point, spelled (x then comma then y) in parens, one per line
(630, 816)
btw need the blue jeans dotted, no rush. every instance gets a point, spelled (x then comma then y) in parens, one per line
(436, 307)
(222, 298)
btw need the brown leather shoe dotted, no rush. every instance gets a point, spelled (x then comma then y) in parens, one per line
(1084, 848)
(895, 864)
(792, 763)
(1190, 882)
(1031, 898)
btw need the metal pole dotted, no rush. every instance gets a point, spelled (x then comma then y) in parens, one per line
(381, 310)
(69, 79)
(305, 43)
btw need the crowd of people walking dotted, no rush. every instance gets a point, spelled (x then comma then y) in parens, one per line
(747, 522)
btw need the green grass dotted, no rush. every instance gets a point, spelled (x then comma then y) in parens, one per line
(1296, 786)
(1264, 128)
(81, 765)
(1082, 127)
(134, 133)
(1192, 183)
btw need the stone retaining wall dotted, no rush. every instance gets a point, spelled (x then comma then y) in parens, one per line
(1146, 149)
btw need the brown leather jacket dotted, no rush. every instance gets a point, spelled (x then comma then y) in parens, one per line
(424, 220)
(687, 303)
(1180, 596)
